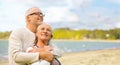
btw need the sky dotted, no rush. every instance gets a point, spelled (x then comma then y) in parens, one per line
(74, 14)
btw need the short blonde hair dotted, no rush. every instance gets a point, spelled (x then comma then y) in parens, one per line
(44, 23)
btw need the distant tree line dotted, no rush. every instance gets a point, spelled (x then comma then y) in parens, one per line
(67, 33)
(5, 35)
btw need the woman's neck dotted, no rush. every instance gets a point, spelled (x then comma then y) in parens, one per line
(41, 43)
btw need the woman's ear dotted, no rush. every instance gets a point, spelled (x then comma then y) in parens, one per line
(51, 35)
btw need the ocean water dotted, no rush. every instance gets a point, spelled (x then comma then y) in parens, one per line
(69, 46)
(3, 47)
(78, 46)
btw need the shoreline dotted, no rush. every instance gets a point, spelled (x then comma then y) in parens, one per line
(87, 40)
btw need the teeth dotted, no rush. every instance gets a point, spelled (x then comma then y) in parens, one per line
(43, 34)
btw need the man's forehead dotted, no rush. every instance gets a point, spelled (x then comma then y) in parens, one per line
(32, 10)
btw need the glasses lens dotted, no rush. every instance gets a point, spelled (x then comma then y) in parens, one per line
(42, 14)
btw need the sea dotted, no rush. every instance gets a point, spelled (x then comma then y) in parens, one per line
(68, 46)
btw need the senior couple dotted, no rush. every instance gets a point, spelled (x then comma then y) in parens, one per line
(30, 45)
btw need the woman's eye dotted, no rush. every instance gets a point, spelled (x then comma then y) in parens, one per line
(42, 28)
(49, 30)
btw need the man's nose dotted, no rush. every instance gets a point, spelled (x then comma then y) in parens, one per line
(40, 18)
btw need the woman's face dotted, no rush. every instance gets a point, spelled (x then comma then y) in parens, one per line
(44, 32)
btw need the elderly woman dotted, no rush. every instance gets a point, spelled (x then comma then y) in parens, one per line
(43, 36)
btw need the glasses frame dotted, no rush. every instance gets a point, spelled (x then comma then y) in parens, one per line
(38, 13)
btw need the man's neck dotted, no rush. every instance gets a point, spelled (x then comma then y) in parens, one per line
(32, 28)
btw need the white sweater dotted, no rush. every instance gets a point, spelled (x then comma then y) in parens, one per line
(56, 51)
(19, 41)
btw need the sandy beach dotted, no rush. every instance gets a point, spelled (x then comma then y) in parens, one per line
(98, 57)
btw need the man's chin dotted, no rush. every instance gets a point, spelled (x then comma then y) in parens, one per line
(40, 22)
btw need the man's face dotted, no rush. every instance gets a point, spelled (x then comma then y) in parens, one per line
(36, 18)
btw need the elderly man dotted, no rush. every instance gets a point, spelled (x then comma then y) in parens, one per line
(21, 39)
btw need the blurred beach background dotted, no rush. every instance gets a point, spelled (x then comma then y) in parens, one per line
(79, 52)
(88, 31)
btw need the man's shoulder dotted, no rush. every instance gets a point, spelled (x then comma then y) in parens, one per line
(19, 30)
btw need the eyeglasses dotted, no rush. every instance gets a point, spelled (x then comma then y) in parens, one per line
(38, 13)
